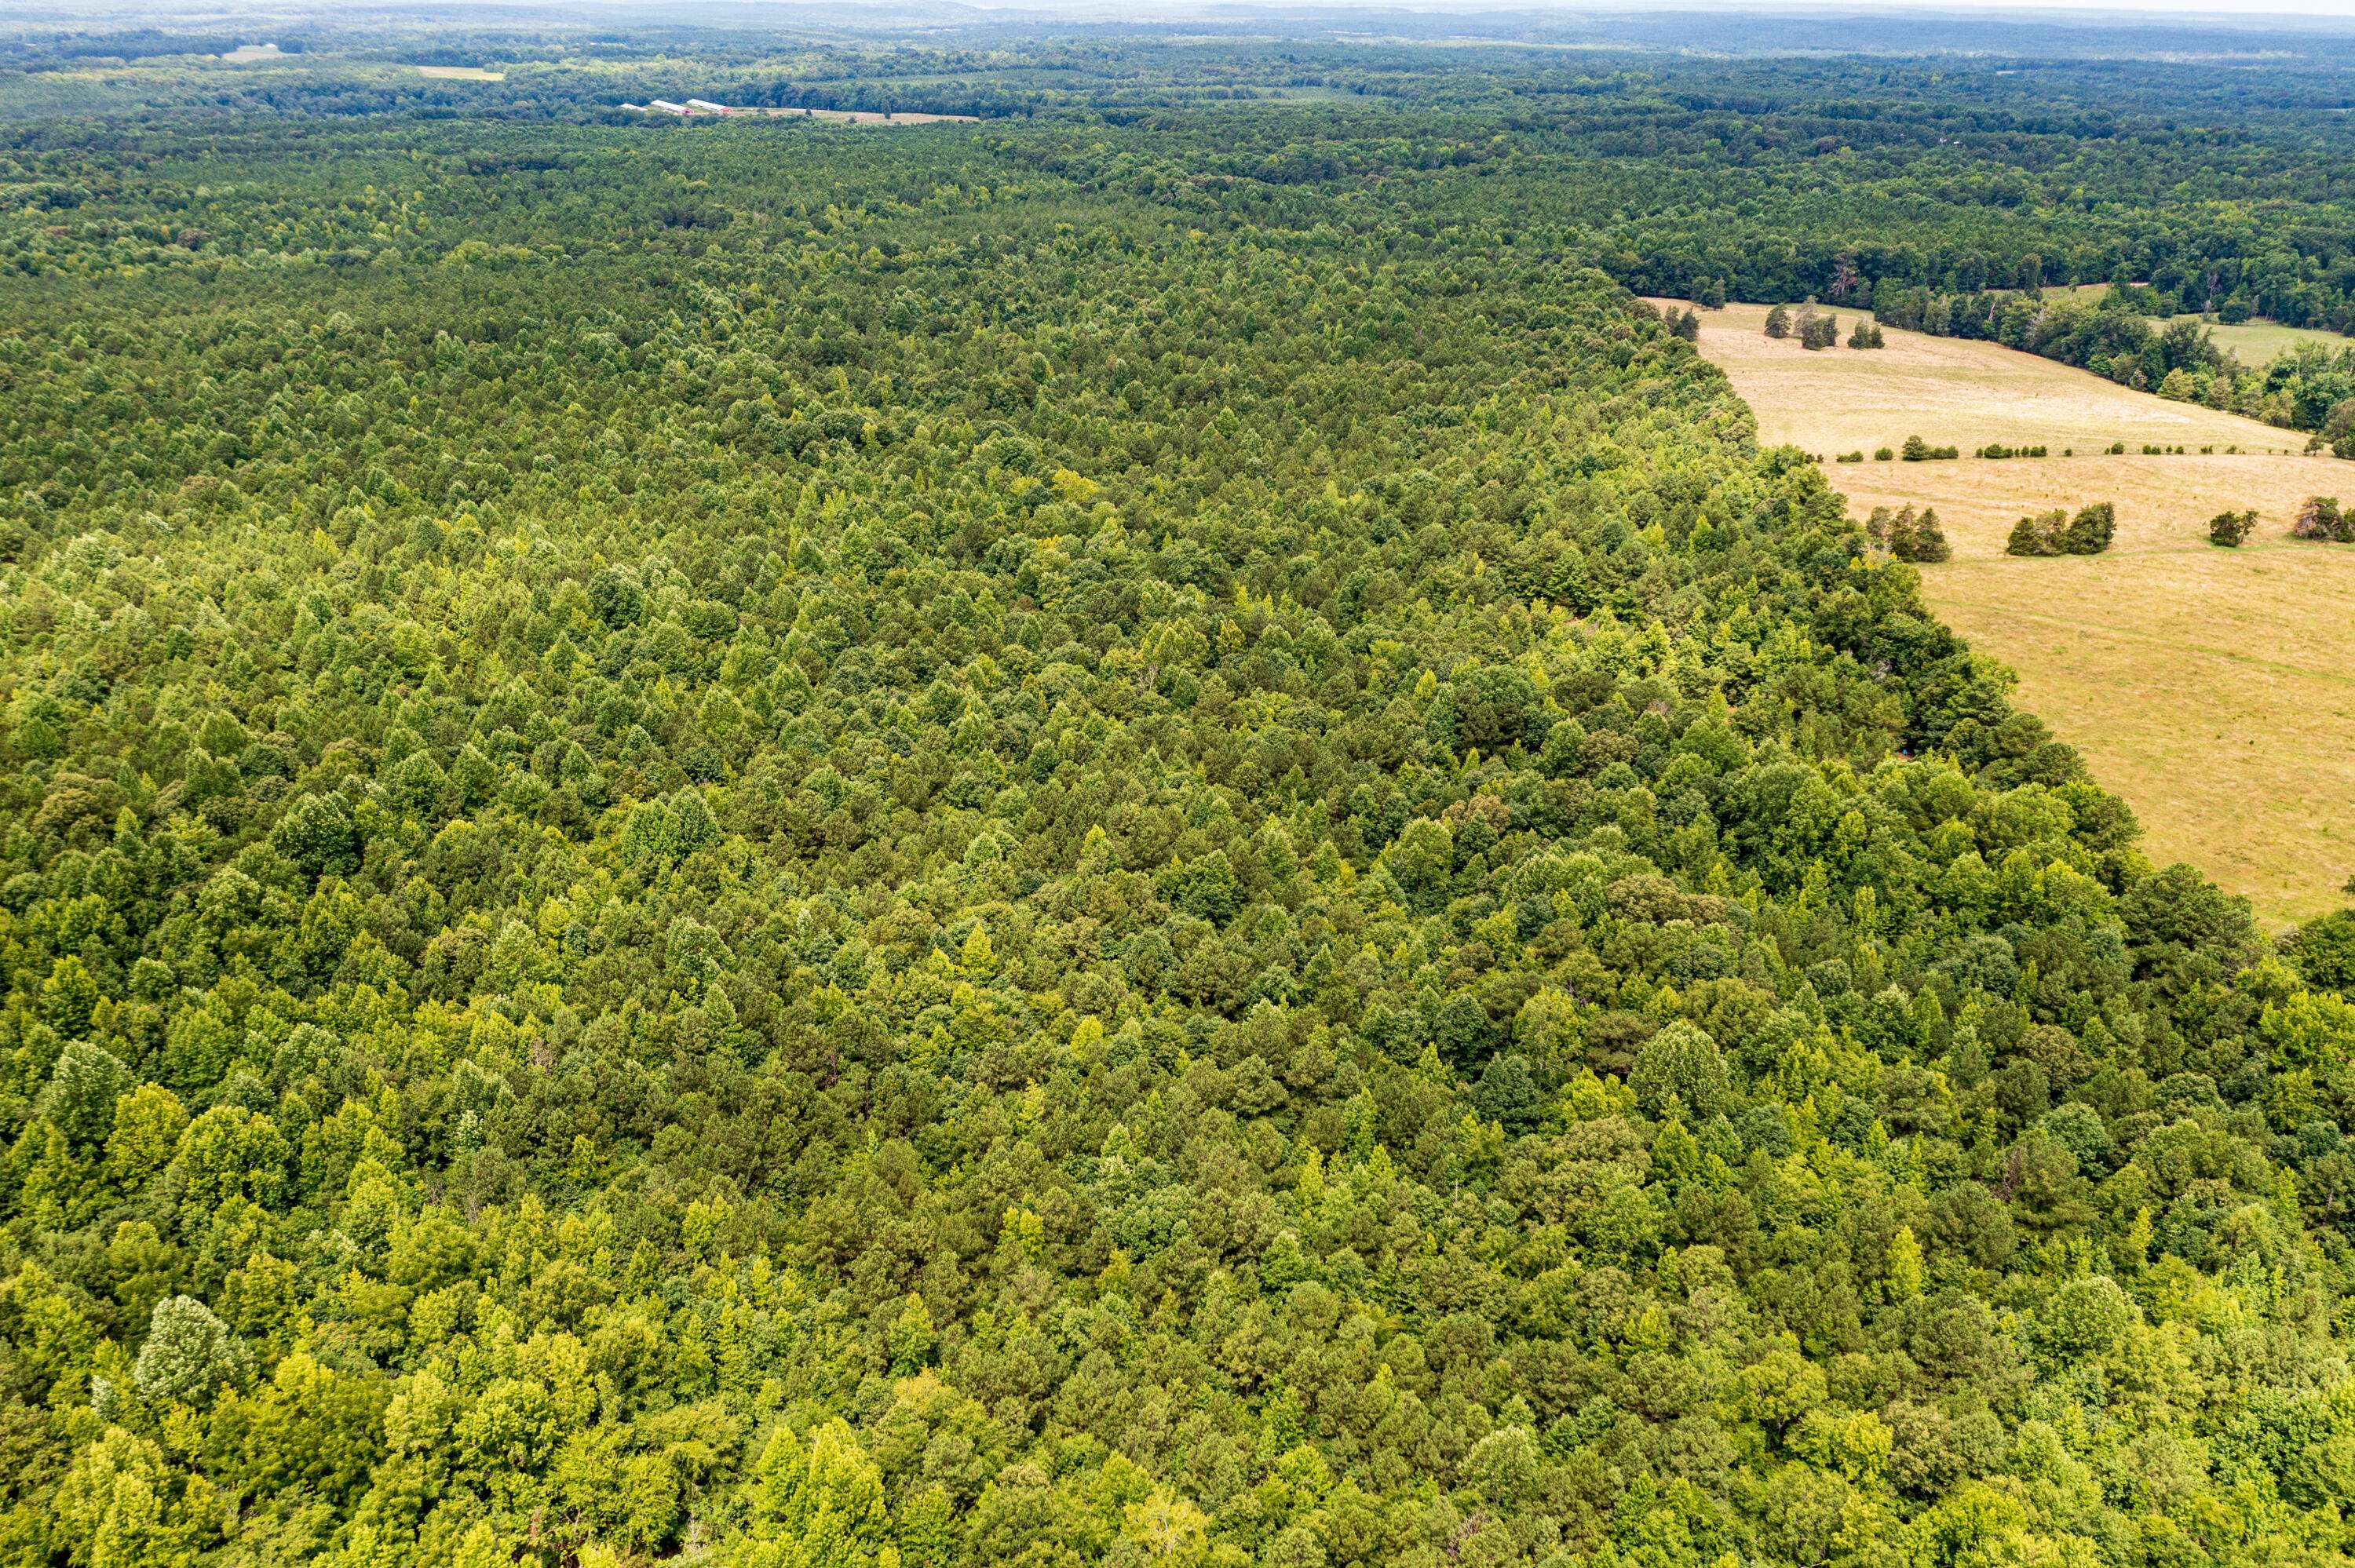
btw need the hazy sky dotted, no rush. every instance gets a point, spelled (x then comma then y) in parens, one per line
(2109, 11)
(2023, 9)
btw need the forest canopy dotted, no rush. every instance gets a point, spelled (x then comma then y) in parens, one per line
(1063, 841)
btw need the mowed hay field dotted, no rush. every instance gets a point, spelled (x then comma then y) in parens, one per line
(2213, 689)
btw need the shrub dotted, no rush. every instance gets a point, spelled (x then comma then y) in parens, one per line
(2231, 528)
(1916, 450)
(2055, 533)
(2320, 518)
(1778, 322)
(1881, 454)
(1819, 332)
(2036, 535)
(1867, 334)
(1849, 457)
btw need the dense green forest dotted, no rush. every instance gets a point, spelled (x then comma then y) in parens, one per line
(1946, 200)
(1136, 838)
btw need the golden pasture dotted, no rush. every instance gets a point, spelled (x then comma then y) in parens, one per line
(2214, 689)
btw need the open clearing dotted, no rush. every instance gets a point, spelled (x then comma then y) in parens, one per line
(2213, 689)
(2258, 342)
(460, 73)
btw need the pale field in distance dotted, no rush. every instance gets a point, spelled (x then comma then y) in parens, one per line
(2213, 689)
(868, 116)
(460, 73)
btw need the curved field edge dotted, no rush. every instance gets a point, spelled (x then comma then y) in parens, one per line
(2207, 687)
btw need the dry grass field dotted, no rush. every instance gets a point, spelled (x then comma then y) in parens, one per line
(460, 73)
(1950, 391)
(2214, 689)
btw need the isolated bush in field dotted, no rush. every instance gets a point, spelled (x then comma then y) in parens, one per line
(1849, 457)
(1907, 534)
(1819, 332)
(1998, 450)
(2055, 533)
(1916, 450)
(1866, 335)
(1881, 454)
(2321, 518)
(2230, 529)
(1778, 322)
(2091, 531)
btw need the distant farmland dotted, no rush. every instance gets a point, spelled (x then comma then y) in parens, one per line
(2213, 689)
